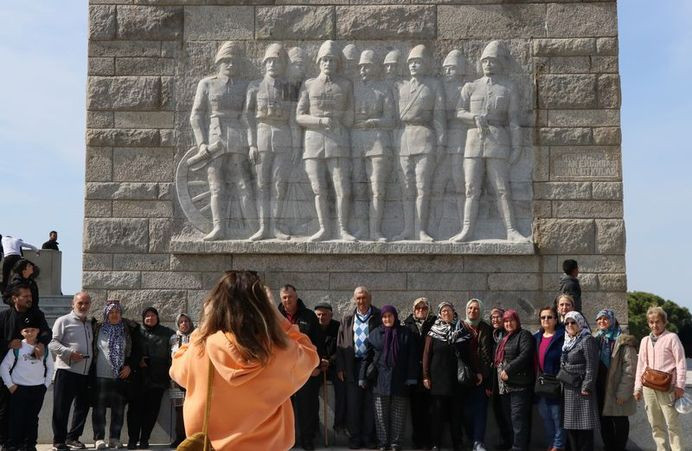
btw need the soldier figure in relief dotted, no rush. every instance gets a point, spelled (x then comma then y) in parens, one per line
(422, 114)
(325, 110)
(271, 127)
(450, 165)
(391, 66)
(489, 106)
(216, 120)
(350, 60)
(370, 141)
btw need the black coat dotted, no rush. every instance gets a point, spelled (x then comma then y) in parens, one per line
(50, 244)
(519, 355)
(156, 351)
(11, 327)
(345, 350)
(419, 339)
(16, 280)
(551, 364)
(307, 322)
(570, 285)
(440, 365)
(485, 352)
(392, 381)
(330, 336)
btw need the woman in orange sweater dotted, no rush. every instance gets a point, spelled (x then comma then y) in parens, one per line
(259, 360)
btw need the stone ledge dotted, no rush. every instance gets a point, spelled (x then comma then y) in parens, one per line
(481, 247)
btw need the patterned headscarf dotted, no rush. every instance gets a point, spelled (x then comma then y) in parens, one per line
(441, 329)
(607, 338)
(583, 330)
(500, 352)
(391, 342)
(478, 320)
(116, 337)
(417, 321)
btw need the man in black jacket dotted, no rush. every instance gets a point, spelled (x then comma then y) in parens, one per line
(330, 327)
(11, 321)
(350, 352)
(306, 403)
(569, 282)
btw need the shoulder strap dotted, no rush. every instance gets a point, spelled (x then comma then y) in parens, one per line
(207, 408)
(16, 358)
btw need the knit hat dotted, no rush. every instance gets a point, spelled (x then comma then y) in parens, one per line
(30, 320)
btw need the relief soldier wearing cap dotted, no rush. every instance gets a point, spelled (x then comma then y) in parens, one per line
(325, 110)
(450, 165)
(422, 113)
(271, 132)
(490, 107)
(216, 120)
(370, 142)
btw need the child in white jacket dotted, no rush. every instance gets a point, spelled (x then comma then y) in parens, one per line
(27, 378)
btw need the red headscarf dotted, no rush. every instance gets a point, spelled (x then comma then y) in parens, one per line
(500, 353)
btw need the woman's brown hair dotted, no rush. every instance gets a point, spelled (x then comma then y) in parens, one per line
(239, 304)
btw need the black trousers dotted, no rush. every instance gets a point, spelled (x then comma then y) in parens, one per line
(179, 425)
(615, 431)
(447, 408)
(360, 411)
(25, 405)
(580, 440)
(306, 409)
(518, 405)
(142, 412)
(339, 401)
(4, 414)
(420, 418)
(69, 388)
(7, 263)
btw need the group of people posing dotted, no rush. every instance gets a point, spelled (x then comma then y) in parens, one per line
(350, 125)
(103, 362)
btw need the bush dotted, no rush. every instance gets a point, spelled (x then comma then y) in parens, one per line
(679, 318)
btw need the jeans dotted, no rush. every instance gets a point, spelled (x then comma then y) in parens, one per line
(552, 414)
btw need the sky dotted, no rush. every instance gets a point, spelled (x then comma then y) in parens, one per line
(43, 47)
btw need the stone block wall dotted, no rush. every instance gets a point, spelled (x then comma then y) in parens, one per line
(143, 53)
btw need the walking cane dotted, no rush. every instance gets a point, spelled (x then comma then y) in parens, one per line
(326, 427)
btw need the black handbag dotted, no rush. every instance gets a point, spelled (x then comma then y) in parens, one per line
(567, 378)
(465, 376)
(547, 386)
(371, 373)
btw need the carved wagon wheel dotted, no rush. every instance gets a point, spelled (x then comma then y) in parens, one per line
(193, 193)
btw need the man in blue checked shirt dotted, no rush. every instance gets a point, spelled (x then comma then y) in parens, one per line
(350, 352)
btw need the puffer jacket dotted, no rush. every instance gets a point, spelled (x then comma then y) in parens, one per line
(620, 378)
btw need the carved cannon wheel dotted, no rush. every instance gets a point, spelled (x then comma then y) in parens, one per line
(193, 193)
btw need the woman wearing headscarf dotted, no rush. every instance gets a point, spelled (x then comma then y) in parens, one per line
(442, 344)
(514, 365)
(578, 371)
(391, 348)
(419, 323)
(181, 337)
(549, 340)
(481, 349)
(114, 357)
(496, 399)
(617, 366)
(151, 380)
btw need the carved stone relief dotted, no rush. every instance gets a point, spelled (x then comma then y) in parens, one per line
(371, 148)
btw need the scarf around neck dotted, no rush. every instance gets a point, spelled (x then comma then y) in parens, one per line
(391, 338)
(570, 341)
(478, 320)
(500, 352)
(116, 339)
(608, 337)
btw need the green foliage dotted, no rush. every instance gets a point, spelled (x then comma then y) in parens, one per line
(638, 302)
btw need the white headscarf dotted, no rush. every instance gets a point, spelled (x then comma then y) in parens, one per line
(583, 326)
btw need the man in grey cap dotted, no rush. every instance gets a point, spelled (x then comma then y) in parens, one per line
(330, 327)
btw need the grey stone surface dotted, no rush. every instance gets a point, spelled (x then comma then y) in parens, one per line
(123, 93)
(146, 164)
(219, 22)
(385, 22)
(123, 137)
(144, 119)
(111, 279)
(159, 23)
(99, 164)
(490, 21)
(610, 236)
(565, 235)
(577, 20)
(116, 235)
(294, 22)
(567, 91)
(102, 22)
(565, 47)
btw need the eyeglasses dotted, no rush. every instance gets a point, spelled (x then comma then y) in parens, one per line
(547, 317)
(567, 323)
(421, 307)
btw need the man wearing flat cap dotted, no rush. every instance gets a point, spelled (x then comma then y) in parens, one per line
(330, 327)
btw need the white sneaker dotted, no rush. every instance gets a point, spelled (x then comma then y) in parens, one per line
(478, 446)
(114, 443)
(100, 444)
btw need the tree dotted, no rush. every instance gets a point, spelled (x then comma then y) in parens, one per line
(679, 318)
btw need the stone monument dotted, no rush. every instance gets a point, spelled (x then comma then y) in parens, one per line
(438, 149)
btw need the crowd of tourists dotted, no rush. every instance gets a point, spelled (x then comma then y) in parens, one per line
(247, 375)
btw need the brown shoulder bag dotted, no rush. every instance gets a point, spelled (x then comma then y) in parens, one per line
(655, 379)
(199, 441)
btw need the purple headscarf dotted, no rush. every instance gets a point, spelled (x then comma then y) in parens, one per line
(391, 342)
(116, 337)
